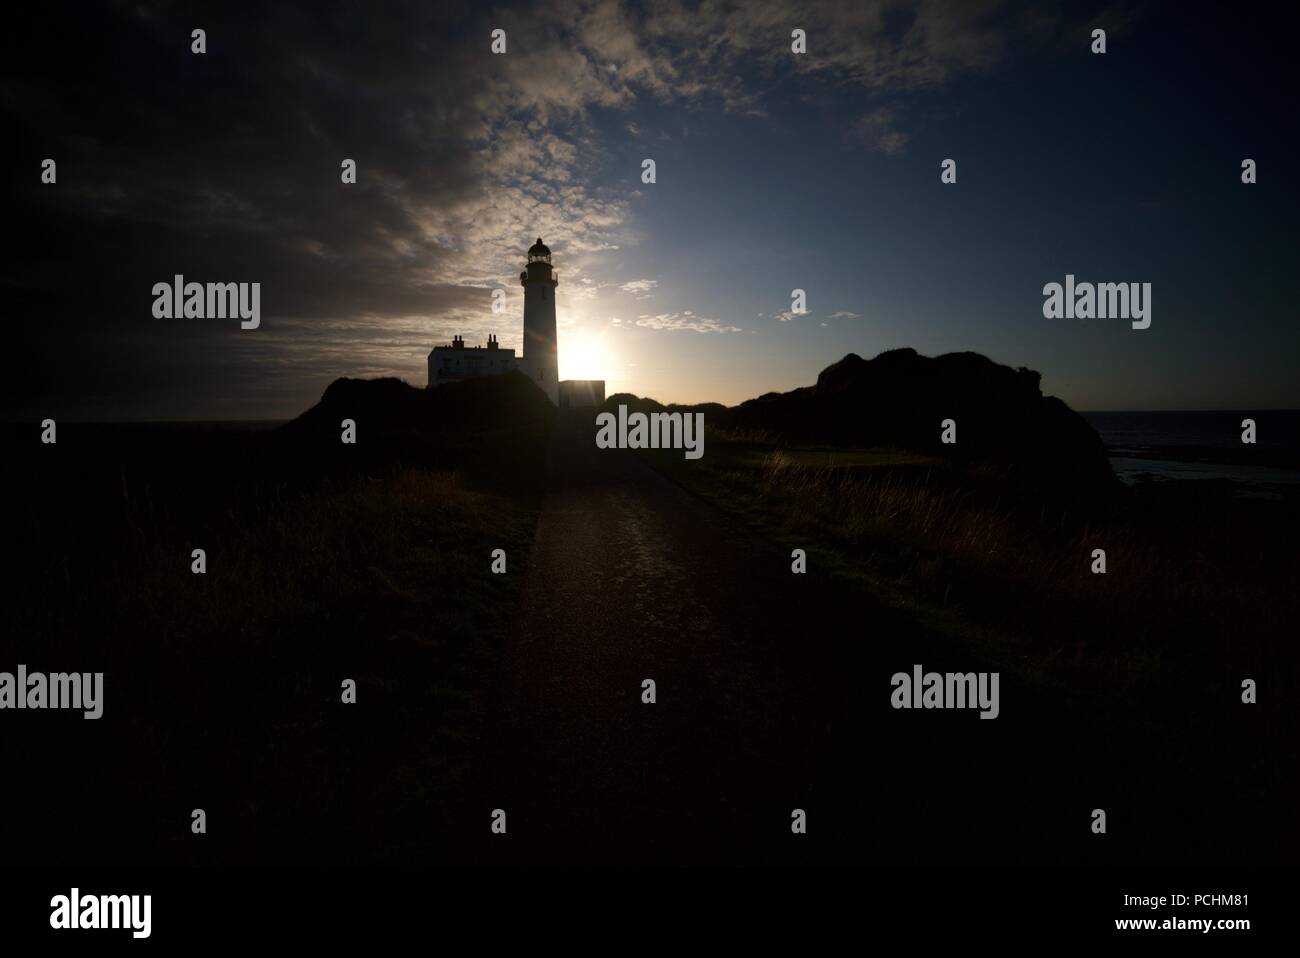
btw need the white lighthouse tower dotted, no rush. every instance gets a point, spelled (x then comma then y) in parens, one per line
(541, 355)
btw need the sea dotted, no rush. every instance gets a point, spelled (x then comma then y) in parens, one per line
(1152, 447)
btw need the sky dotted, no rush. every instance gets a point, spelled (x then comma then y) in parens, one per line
(774, 172)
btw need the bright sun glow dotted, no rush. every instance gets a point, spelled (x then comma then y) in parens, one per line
(584, 355)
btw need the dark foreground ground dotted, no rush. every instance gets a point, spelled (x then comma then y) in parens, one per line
(522, 692)
(773, 694)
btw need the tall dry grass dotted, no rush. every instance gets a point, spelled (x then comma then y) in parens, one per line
(1198, 593)
(223, 689)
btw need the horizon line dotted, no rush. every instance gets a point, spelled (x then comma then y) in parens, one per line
(198, 422)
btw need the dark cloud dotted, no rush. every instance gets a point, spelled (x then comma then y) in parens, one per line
(225, 167)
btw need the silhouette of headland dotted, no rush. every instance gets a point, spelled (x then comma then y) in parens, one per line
(900, 398)
(488, 426)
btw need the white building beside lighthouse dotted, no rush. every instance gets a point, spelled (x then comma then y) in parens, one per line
(540, 361)
(451, 364)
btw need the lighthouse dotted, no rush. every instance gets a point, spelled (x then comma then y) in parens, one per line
(541, 356)
(540, 360)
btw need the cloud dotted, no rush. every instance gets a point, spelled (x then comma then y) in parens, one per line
(685, 320)
(788, 315)
(876, 130)
(225, 167)
(640, 287)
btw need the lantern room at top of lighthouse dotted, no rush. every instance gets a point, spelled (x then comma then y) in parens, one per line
(539, 266)
(539, 252)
